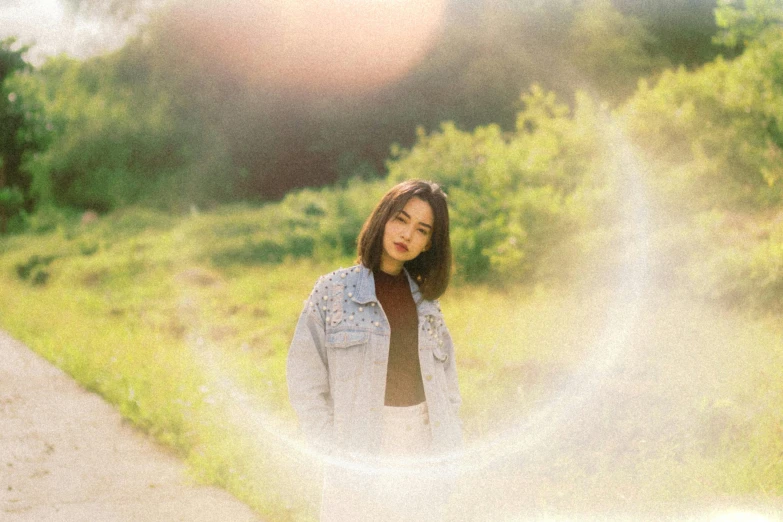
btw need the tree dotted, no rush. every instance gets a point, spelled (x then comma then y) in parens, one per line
(512, 194)
(744, 21)
(612, 50)
(19, 135)
(120, 137)
(683, 29)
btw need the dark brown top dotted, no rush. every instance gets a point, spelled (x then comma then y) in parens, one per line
(403, 376)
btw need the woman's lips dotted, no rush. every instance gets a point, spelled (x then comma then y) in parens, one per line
(401, 247)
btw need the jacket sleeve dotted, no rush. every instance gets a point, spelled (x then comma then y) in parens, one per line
(307, 374)
(451, 375)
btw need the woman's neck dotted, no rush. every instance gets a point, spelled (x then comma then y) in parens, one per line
(390, 267)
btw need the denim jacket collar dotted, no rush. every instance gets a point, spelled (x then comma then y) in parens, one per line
(365, 292)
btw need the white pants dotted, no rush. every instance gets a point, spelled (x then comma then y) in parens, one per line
(406, 431)
(388, 494)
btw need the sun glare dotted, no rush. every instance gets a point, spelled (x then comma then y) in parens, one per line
(346, 46)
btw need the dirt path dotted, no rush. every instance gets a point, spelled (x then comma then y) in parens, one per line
(66, 455)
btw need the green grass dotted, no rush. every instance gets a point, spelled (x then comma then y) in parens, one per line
(193, 351)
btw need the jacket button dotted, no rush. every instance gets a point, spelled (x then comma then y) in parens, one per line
(350, 294)
(376, 323)
(361, 309)
(428, 377)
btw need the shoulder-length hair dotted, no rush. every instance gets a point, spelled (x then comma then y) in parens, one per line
(430, 269)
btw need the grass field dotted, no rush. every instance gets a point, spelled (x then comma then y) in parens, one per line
(577, 399)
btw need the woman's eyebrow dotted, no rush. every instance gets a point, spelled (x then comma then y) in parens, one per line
(422, 223)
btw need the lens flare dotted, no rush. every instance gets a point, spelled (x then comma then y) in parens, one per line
(530, 435)
(350, 46)
(300, 48)
(495, 475)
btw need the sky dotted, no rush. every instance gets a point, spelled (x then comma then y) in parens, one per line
(53, 30)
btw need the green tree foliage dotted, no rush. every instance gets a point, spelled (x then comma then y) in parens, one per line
(716, 133)
(611, 50)
(158, 122)
(164, 122)
(682, 29)
(22, 131)
(713, 139)
(122, 138)
(744, 21)
(512, 194)
(311, 223)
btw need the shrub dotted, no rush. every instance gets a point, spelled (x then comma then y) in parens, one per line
(511, 194)
(34, 270)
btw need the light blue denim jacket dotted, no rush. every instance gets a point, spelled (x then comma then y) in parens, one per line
(337, 365)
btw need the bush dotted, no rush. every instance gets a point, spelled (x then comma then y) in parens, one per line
(34, 270)
(715, 134)
(714, 141)
(512, 195)
(113, 146)
(311, 223)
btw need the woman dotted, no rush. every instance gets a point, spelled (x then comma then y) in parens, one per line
(371, 367)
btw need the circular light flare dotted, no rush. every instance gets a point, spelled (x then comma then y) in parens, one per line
(313, 47)
(529, 435)
(530, 432)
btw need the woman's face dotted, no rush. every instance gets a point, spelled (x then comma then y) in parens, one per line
(406, 235)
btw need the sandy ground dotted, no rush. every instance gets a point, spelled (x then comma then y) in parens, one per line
(66, 455)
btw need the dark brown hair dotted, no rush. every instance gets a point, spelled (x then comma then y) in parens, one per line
(430, 269)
